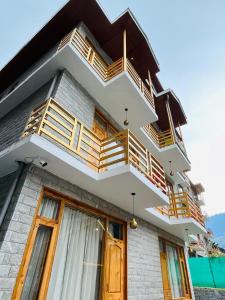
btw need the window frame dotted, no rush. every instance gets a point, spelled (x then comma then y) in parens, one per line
(55, 225)
(185, 278)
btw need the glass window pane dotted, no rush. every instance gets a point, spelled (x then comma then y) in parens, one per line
(116, 230)
(174, 271)
(49, 208)
(36, 266)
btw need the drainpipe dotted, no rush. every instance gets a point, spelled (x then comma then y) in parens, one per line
(54, 84)
(11, 191)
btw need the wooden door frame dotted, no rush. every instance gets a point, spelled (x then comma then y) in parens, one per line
(180, 247)
(68, 201)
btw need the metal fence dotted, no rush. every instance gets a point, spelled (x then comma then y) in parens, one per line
(208, 271)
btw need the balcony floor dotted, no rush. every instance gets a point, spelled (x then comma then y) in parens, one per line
(114, 185)
(174, 225)
(164, 155)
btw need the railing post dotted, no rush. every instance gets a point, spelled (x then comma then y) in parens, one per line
(170, 119)
(127, 147)
(187, 204)
(43, 116)
(124, 50)
(150, 83)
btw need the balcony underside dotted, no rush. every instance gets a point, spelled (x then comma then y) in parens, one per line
(114, 95)
(169, 153)
(175, 226)
(114, 185)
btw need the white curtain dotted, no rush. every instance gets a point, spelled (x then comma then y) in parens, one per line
(77, 263)
(49, 208)
(174, 272)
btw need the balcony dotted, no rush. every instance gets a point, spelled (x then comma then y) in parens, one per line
(168, 146)
(111, 168)
(183, 179)
(115, 86)
(182, 213)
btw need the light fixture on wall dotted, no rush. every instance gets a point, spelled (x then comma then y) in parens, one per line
(171, 172)
(126, 123)
(133, 222)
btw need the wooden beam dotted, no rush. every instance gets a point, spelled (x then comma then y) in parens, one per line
(124, 50)
(170, 118)
(150, 83)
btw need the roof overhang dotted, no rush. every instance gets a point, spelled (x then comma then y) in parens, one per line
(178, 114)
(107, 33)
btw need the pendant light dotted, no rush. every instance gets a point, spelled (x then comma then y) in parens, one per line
(133, 222)
(126, 122)
(171, 172)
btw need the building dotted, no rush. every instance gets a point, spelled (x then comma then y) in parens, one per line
(90, 144)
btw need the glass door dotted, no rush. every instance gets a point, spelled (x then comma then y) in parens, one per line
(77, 266)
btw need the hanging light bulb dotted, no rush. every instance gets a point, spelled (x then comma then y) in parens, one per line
(133, 222)
(126, 123)
(171, 172)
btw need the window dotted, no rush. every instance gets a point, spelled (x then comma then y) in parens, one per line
(32, 281)
(73, 252)
(174, 271)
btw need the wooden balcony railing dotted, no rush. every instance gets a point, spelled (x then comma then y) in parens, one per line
(104, 70)
(161, 139)
(164, 138)
(53, 122)
(182, 206)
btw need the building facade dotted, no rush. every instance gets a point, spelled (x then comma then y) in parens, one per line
(95, 203)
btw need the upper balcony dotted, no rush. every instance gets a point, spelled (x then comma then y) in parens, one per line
(115, 86)
(164, 139)
(182, 214)
(111, 168)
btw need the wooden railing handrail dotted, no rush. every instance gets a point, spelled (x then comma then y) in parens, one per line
(54, 122)
(164, 138)
(104, 70)
(183, 206)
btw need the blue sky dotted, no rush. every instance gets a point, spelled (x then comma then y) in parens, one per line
(188, 38)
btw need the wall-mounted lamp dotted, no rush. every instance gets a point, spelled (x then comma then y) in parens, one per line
(126, 123)
(133, 222)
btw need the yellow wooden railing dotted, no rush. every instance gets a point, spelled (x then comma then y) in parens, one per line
(164, 138)
(53, 122)
(161, 139)
(182, 206)
(104, 70)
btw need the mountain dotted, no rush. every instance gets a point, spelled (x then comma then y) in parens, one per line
(216, 223)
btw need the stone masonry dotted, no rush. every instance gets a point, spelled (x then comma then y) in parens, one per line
(209, 294)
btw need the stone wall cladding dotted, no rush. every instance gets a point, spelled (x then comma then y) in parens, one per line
(73, 97)
(144, 271)
(209, 294)
(12, 125)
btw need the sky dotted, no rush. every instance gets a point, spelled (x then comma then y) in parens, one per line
(188, 38)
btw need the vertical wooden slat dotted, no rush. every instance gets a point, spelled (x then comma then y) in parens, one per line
(124, 50)
(170, 119)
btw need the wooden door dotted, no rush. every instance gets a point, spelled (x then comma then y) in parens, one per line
(114, 269)
(165, 277)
